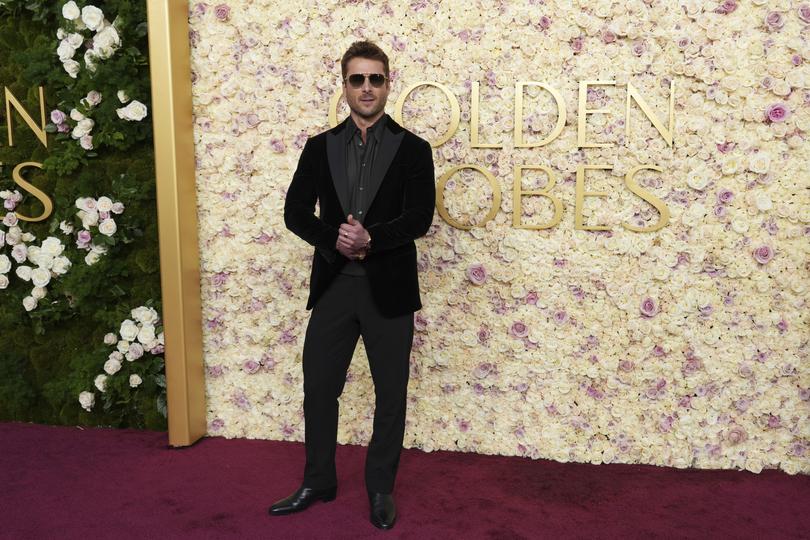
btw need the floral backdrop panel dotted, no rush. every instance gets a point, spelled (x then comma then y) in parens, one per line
(553, 325)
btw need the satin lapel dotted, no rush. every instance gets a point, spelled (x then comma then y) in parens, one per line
(336, 154)
(382, 161)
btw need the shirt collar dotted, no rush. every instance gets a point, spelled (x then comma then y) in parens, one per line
(375, 129)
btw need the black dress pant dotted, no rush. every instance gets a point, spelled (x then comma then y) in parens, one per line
(344, 312)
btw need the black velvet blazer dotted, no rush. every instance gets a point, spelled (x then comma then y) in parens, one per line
(401, 210)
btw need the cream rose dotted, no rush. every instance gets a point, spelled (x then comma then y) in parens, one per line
(70, 11)
(134, 111)
(92, 17)
(107, 227)
(87, 400)
(129, 330)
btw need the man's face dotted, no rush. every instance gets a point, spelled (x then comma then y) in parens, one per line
(365, 101)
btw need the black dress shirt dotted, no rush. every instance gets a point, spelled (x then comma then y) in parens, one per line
(359, 164)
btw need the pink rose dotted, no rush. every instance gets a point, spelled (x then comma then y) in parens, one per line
(560, 316)
(778, 112)
(519, 330)
(726, 7)
(774, 20)
(608, 36)
(763, 254)
(639, 47)
(83, 239)
(477, 274)
(577, 45)
(804, 13)
(545, 22)
(222, 12)
(649, 308)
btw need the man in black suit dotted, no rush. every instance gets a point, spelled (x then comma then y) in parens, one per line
(374, 183)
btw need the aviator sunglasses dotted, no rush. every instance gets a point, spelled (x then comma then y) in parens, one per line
(356, 80)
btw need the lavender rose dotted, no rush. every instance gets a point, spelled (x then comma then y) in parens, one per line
(725, 196)
(57, 116)
(804, 13)
(519, 330)
(477, 274)
(736, 435)
(778, 112)
(763, 254)
(774, 20)
(649, 308)
(222, 12)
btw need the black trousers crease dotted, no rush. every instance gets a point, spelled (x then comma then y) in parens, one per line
(341, 315)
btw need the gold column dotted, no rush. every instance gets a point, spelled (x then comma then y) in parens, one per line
(169, 60)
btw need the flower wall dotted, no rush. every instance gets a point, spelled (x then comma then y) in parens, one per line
(683, 347)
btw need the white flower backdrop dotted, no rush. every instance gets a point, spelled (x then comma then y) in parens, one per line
(683, 347)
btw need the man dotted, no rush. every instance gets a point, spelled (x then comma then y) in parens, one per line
(374, 183)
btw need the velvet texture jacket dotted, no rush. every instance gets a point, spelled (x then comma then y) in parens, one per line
(402, 195)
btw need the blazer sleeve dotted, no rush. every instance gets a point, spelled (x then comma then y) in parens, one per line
(299, 206)
(417, 211)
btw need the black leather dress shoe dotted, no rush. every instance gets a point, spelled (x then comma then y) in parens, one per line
(383, 510)
(301, 499)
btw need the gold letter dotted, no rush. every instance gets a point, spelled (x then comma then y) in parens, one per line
(583, 111)
(455, 112)
(632, 93)
(647, 196)
(40, 133)
(519, 193)
(333, 104)
(493, 183)
(519, 114)
(44, 199)
(580, 198)
(474, 121)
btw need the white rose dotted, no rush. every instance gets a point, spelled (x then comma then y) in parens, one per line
(76, 115)
(14, 234)
(3, 281)
(65, 50)
(122, 96)
(2, 238)
(65, 227)
(112, 366)
(70, 11)
(107, 227)
(60, 33)
(697, 180)
(52, 246)
(101, 382)
(93, 98)
(134, 111)
(92, 17)
(61, 265)
(104, 204)
(29, 303)
(28, 237)
(101, 250)
(145, 315)
(86, 142)
(91, 258)
(40, 277)
(82, 128)
(110, 339)
(106, 42)
(23, 272)
(72, 67)
(129, 330)
(135, 380)
(89, 219)
(118, 208)
(147, 334)
(75, 40)
(39, 292)
(5, 263)
(87, 400)
(123, 346)
(760, 162)
(90, 57)
(763, 202)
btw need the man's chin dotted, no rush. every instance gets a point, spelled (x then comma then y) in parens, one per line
(367, 113)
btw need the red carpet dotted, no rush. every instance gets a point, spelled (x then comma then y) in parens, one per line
(66, 482)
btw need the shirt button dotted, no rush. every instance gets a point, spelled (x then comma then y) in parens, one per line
(361, 189)
(360, 212)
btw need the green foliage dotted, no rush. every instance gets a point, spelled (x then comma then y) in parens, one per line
(51, 354)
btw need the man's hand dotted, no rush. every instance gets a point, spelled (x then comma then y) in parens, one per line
(352, 238)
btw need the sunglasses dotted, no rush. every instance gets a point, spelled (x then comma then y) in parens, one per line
(356, 80)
